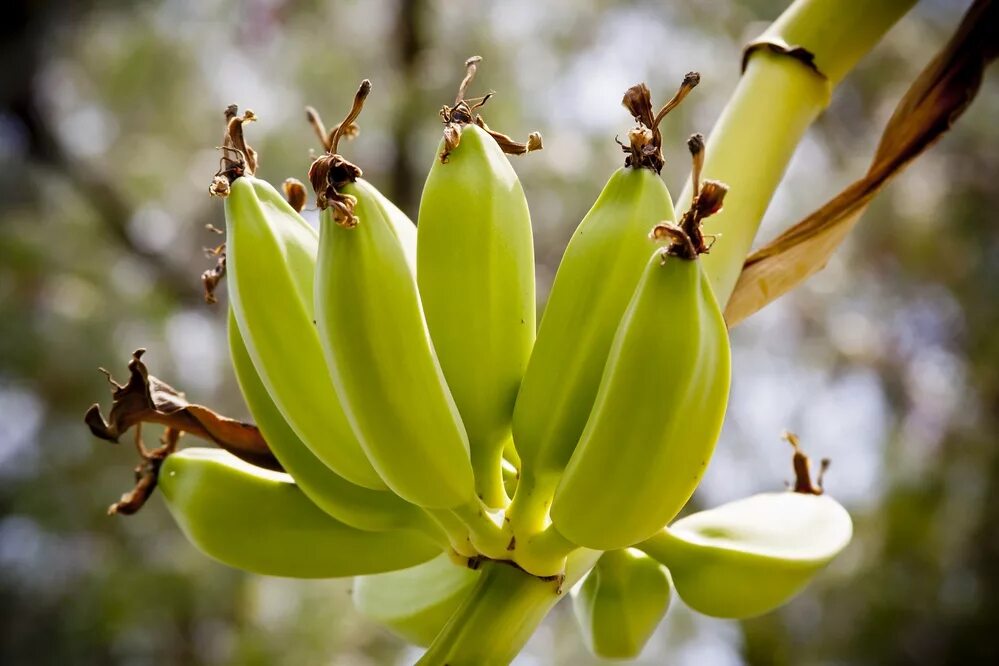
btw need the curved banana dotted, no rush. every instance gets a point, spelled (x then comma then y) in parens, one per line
(475, 268)
(271, 253)
(751, 556)
(415, 603)
(354, 505)
(594, 283)
(258, 520)
(621, 602)
(380, 355)
(657, 414)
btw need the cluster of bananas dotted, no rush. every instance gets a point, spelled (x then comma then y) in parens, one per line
(422, 420)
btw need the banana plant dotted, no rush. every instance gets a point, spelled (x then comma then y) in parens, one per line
(414, 428)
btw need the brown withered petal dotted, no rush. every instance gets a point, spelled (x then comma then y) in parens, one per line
(211, 278)
(937, 98)
(146, 399)
(294, 193)
(147, 474)
(638, 100)
(452, 137)
(507, 144)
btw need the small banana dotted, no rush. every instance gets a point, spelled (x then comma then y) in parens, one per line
(271, 253)
(748, 557)
(475, 268)
(751, 556)
(378, 349)
(594, 283)
(354, 505)
(661, 400)
(621, 602)
(258, 520)
(415, 603)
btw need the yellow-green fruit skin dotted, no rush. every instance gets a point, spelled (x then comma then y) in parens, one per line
(621, 602)
(415, 603)
(749, 557)
(475, 269)
(259, 521)
(595, 281)
(271, 256)
(657, 414)
(354, 505)
(381, 359)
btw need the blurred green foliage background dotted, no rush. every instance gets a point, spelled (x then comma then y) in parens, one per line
(887, 361)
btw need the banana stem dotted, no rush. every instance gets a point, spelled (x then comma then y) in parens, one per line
(777, 99)
(486, 536)
(487, 464)
(457, 533)
(528, 512)
(501, 613)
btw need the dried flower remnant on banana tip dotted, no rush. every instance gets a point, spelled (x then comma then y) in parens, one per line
(331, 172)
(146, 399)
(238, 159)
(645, 141)
(685, 239)
(803, 469)
(463, 113)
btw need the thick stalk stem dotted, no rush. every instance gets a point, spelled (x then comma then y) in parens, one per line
(777, 99)
(501, 613)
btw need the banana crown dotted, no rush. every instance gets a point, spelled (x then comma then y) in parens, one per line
(411, 425)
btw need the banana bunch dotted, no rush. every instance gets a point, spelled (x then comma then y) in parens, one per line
(416, 425)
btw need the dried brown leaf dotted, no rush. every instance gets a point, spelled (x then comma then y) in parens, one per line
(146, 399)
(929, 108)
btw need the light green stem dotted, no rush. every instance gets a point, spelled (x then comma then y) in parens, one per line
(487, 463)
(501, 613)
(776, 100)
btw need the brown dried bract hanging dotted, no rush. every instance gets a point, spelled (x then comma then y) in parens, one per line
(295, 193)
(645, 141)
(238, 158)
(803, 469)
(686, 239)
(146, 399)
(211, 278)
(331, 172)
(462, 113)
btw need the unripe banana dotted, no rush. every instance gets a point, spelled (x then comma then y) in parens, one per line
(258, 520)
(271, 254)
(475, 267)
(595, 281)
(354, 505)
(657, 414)
(415, 603)
(751, 556)
(621, 602)
(380, 355)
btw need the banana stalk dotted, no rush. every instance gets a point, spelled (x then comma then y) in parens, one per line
(789, 74)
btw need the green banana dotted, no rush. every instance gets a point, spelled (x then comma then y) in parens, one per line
(380, 355)
(475, 268)
(621, 602)
(592, 287)
(415, 603)
(271, 253)
(594, 283)
(354, 505)
(657, 414)
(750, 556)
(258, 520)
